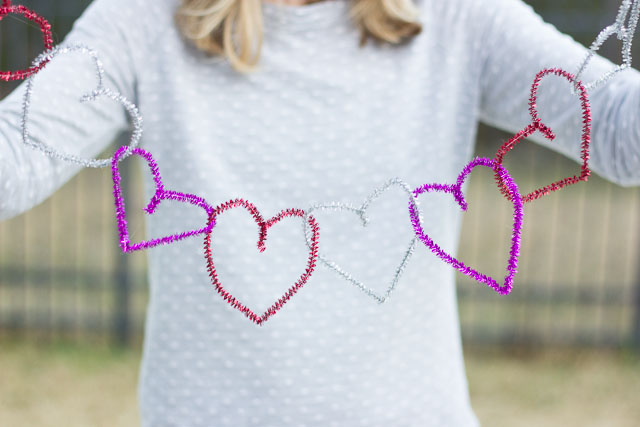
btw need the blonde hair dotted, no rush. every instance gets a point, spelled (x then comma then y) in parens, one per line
(234, 29)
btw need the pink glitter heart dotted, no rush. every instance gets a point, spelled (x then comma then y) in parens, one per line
(160, 195)
(456, 191)
(263, 227)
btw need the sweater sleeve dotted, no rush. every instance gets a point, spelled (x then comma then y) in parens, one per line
(57, 118)
(517, 45)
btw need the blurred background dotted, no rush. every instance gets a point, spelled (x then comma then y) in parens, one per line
(562, 349)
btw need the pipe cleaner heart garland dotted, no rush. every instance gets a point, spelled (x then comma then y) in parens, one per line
(45, 28)
(262, 236)
(160, 195)
(537, 125)
(628, 9)
(99, 91)
(361, 212)
(456, 191)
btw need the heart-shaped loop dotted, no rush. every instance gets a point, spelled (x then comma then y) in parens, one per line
(456, 191)
(45, 28)
(160, 194)
(361, 212)
(263, 227)
(537, 125)
(629, 11)
(99, 91)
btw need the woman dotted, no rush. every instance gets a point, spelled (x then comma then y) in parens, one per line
(318, 116)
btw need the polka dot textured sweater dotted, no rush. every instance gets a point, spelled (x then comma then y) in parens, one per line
(322, 120)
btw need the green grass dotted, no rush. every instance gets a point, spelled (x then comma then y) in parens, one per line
(555, 388)
(65, 385)
(79, 385)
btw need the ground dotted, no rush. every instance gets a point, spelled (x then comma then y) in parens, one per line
(74, 385)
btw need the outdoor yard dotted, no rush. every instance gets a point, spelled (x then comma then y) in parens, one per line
(66, 289)
(71, 385)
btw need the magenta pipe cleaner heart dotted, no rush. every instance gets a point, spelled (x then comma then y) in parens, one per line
(160, 195)
(456, 191)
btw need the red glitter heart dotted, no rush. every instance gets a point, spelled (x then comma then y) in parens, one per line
(7, 9)
(537, 125)
(263, 226)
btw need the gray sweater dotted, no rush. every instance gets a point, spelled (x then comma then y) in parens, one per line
(323, 120)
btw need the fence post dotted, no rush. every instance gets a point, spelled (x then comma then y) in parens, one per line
(636, 310)
(121, 321)
(635, 338)
(121, 313)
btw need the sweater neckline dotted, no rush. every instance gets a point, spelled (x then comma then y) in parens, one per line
(311, 16)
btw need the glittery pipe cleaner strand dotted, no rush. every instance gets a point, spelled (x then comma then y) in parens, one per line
(99, 91)
(456, 191)
(45, 28)
(361, 212)
(263, 227)
(628, 9)
(537, 125)
(160, 194)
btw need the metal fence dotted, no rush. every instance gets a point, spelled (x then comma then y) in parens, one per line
(62, 275)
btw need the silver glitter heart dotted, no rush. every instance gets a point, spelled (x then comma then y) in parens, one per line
(362, 214)
(99, 91)
(628, 9)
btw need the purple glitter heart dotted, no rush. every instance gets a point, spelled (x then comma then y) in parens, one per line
(456, 191)
(160, 195)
